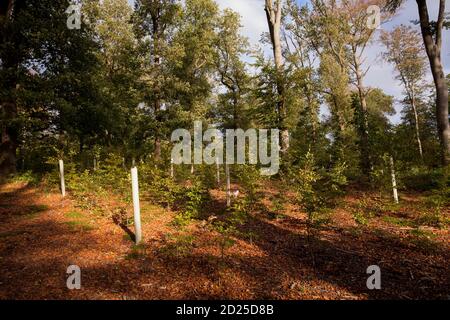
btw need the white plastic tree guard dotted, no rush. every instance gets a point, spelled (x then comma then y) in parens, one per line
(136, 206)
(227, 172)
(394, 183)
(61, 175)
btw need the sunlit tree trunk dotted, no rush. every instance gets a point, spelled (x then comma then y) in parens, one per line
(416, 122)
(433, 48)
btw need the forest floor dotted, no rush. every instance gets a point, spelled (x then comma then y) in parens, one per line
(41, 234)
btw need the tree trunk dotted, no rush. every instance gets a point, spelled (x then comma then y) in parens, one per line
(442, 113)
(157, 63)
(364, 132)
(433, 47)
(157, 148)
(274, 22)
(416, 122)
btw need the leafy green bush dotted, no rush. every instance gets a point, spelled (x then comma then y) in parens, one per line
(360, 218)
(27, 177)
(317, 188)
(160, 187)
(207, 175)
(195, 195)
(380, 176)
(422, 179)
(191, 200)
(228, 228)
(248, 177)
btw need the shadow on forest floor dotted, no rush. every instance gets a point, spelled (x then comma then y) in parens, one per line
(276, 263)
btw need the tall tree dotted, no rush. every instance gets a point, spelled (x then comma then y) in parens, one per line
(348, 20)
(324, 35)
(432, 39)
(11, 53)
(119, 71)
(301, 55)
(231, 71)
(45, 69)
(356, 15)
(155, 20)
(194, 65)
(409, 61)
(273, 9)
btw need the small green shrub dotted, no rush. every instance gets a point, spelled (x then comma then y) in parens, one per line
(27, 177)
(195, 197)
(179, 246)
(192, 200)
(74, 215)
(248, 177)
(79, 225)
(422, 179)
(162, 189)
(398, 221)
(317, 188)
(360, 218)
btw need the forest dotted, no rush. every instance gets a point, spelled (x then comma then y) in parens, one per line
(156, 150)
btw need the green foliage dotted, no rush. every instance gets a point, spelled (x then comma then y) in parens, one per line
(114, 91)
(226, 239)
(179, 245)
(436, 203)
(360, 218)
(162, 188)
(137, 252)
(317, 188)
(79, 225)
(207, 175)
(74, 215)
(192, 200)
(381, 178)
(88, 187)
(278, 205)
(434, 218)
(248, 177)
(113, 176)
(33, 211)
(398, 221)
(228, 225)
(423, 239)
(27, 177)
(195, 195)
(424, 179)
(78, 221)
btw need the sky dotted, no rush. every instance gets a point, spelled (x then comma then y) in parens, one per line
(381, 74)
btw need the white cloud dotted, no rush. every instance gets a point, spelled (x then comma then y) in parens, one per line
(253, 17)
